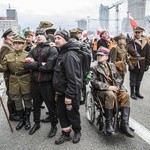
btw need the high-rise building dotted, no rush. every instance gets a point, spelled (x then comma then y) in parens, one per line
(10, 21)
(82, 24)
(12, 14)
(104, 16)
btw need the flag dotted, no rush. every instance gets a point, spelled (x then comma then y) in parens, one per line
(133, 22)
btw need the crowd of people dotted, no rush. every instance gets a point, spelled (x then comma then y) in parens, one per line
(50, 70)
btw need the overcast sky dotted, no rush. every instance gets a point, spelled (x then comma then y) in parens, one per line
(63, 12)
(30, 12)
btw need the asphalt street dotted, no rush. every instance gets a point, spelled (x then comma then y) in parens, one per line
(91, 139)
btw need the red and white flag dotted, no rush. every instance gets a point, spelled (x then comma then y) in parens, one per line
(133, 22)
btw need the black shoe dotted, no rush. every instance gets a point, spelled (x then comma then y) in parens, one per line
(14, 118)
(34, 128)
(76, 137)
(139, 95)
(27, 125)
(20, 125)
(133, 96)
(62, 139)
(52, 131)
(47, 119)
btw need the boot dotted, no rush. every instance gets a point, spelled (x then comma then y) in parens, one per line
(65, 136)
(137, 93)
(12, 115)
(76, 137)
(27, 118)
(34, 128)
(124, 125)
(53, 131)
(54, 122)
(108, 121)
(21, 120)
(133, 96)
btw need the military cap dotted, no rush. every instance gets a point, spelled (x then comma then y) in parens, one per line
(19, 39)
(140, 29)
(119, 36)
(8, 32)
(27, 33)
(50, 30)
(103, 51)
(45, 24)
(74, 32)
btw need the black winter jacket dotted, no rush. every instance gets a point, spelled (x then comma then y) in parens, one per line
(68, 71)
(45, 59)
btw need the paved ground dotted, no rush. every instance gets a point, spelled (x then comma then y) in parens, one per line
(91, 138)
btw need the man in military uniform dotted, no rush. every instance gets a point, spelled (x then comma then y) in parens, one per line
(119, 55)
(29, 44)
(108, 82)
(139, 50)
(19, 81)
(5, 49)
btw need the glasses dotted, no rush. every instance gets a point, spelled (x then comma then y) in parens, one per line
(100, 55)
(137, 32)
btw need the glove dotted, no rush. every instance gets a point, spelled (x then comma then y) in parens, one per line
(146, 67)
(131, 66)
(137, 55)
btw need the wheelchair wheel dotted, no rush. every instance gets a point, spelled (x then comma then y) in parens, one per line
(90, 107)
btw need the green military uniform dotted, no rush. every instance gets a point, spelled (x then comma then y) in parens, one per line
(119, 54)
(5, 49)
(19, 82)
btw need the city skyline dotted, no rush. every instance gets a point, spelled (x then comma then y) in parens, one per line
(61, 13)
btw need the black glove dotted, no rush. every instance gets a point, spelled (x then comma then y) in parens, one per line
(146, 67)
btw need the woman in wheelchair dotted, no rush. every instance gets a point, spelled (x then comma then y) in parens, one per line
(107, 81)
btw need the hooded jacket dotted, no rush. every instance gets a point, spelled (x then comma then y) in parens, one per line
(68, 71)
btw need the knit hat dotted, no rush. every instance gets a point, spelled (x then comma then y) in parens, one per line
(64, 34)
(40, 32)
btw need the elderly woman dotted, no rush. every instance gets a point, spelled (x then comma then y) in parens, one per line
(19, 81)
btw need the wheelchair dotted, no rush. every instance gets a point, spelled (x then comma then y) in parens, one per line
(94, 108)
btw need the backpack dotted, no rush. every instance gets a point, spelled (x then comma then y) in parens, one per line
(85, 55)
